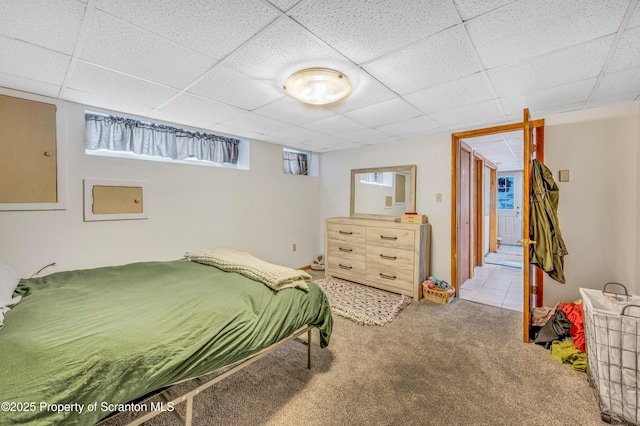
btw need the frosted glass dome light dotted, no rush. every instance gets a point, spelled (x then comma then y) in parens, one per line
(318, 86)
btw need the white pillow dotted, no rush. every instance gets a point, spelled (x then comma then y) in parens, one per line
(9, 280)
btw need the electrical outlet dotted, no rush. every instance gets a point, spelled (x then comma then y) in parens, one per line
(438, 197)
(294, 247)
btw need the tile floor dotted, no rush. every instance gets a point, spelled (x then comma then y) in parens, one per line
(495, 285)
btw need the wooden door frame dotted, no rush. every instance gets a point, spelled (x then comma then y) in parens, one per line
(457, 147)
(493, 205)
(478, 209)
(456, 140)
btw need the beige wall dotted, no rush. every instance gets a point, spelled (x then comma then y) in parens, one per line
(261, 210)
(599, 208)
(431, 155)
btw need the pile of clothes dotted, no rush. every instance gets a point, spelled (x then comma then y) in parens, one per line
(561, 330)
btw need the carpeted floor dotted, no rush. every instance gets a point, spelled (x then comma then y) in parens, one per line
(457, 364)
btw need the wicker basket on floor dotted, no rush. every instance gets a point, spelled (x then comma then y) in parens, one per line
(437, 294)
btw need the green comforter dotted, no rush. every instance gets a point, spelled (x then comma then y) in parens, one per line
(89, 339)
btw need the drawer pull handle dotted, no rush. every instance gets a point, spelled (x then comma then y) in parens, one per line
(389, 257)
(346, 233)
(388, 238)
(348, 250)
(345, 266)
(388, 277)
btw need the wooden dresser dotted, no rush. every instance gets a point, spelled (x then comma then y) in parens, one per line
(388, 255)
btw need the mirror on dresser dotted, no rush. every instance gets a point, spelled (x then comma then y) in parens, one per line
(383, 192)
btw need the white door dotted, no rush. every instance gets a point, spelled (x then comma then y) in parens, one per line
(509, 207)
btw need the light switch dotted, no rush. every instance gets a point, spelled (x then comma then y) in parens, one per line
(564, 175)
(438, 197)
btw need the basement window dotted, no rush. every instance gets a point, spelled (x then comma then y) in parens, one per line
(296, 162)
(110, 135)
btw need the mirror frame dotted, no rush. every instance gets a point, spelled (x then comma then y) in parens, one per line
(412, 190)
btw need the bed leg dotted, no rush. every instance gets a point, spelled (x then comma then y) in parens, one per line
(309, 349)
(189, 414)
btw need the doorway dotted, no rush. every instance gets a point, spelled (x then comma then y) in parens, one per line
(460, 249)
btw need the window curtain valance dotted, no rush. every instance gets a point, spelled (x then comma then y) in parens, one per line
(124, 134)
(295, 163)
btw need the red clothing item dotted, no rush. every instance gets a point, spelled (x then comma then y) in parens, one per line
(575, 315)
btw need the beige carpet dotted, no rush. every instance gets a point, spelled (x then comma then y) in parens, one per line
(457, 364)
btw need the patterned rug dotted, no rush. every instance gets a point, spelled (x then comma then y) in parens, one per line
(362, 304)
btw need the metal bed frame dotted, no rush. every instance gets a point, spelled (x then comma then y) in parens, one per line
(172, 400)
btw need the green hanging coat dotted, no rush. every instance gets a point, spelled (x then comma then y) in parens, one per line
(549, 251)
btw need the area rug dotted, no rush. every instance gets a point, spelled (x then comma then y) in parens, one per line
(362, 304)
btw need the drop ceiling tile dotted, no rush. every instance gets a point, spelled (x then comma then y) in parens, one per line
(284, 5)
(254, 123)
(53, 24)
(543, 100)
(335, 125)
(483, 112)
(330, 143)
(294, 112)
(386, 112)
(635, 17)
(106, 105)
(471, 8)
(416, 126)
(235, 132)
(29, 86)
(112, 85)
(525, 29)
(369, 137)
(194, 111)
(619, 83)
(295, 135)
(223, 84)
(366, 29)
(627, 54)
(283, 49)
(33, 62)
(365, 91)
(575, 63)
(123, 47)
(428, 63)
(465, 91)
(214, 28)
(616, 99)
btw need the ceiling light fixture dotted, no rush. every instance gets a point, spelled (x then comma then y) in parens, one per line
(318, 86)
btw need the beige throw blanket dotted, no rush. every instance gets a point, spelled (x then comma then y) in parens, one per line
(274, 276)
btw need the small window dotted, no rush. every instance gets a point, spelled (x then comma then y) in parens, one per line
(377, 178)
(296, 162)
(505, 193)
(125, 137)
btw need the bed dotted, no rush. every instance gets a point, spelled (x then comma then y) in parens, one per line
(81, 343)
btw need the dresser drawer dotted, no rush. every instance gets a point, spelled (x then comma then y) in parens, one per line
(392, 277)
(345, 232)
(345, 250)
(390, 257)
(346, 268)
(391, 237)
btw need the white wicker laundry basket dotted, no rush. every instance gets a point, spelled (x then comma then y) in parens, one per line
(612, 331)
